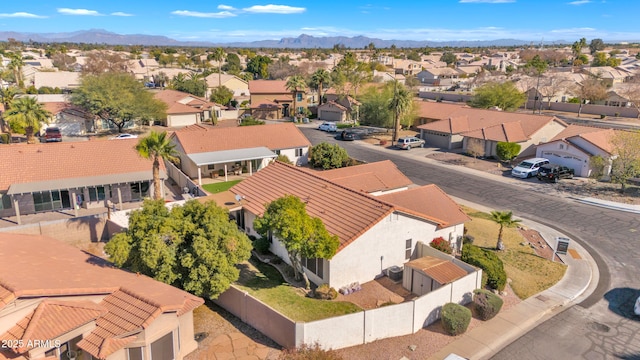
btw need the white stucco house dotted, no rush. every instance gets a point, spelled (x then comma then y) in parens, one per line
(575, 146)
(375, 232)
(213, 151)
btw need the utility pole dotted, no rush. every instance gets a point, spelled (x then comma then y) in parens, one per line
(395, 114)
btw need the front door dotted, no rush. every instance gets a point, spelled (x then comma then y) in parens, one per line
(66, 200)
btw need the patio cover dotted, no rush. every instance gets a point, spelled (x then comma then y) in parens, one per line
(74, 183)
(227, 156)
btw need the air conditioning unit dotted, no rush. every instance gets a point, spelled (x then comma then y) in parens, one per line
(395, 273)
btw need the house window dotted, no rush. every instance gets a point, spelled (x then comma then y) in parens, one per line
(314, 265)
(561, 146)
(47, 200)
(277, 152)
(135, 353)
(96, 193)
(162, 349)
(139, 190)
(5, 201)
(408, 248)
(299, 152)
(298, 96)
(211, 167)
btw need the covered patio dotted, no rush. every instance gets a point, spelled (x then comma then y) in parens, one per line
(223, 164)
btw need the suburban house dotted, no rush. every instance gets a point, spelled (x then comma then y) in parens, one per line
(430, 111)
(72, 120)
(49, 177)
(184, 109)
(375, 232)
(64, 80)
(466, 125)
(58, 302)
(386, 76)
(406, 67)
(575, 145)
(376, 178)
(270, 99)
(214, 151)
(238, 86)
(337, 107)
(438, 76)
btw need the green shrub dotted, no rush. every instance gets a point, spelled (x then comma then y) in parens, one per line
(490, 264)
(261, 245)
(455, 318)
(441, 244)
(4, 138)
(486, 304)
(324, 292)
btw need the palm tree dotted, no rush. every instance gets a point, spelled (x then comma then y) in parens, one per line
(400, 104)
(6, 97)
(157, 146)
(320, 77)
(504, 219)
(16, 65)
(295, 83)
(218, 55)
(25, 115)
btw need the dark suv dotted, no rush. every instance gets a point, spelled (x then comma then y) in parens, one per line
(554, 172)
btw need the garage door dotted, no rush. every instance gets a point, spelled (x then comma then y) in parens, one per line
(437, 140)
(568, 160)
(330, 115)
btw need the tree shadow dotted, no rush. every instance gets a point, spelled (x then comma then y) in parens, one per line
(95, 224)
(622, 300)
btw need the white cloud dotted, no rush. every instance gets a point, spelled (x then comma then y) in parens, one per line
(225, 7)
(219, 15)
(488, 1)
(22, 15)
(275, 9)
(579, 2)
(120, 13)
(67, 11)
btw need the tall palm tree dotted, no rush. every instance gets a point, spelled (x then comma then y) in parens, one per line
(400, 104)
(504, 219)
(320, 77)
(218, 55)
(25, 115)
(6, 97)
(157, 146)
(16, 65)
(294, 84)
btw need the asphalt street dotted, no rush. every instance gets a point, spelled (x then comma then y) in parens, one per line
(602, 326)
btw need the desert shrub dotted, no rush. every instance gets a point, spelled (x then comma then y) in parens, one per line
(324, 292)
(441, 244)
(490, 264)
(486, 304)
(261, 245)
(250, 121)
(308, 352)
(455, 318)
(383, 142)
(467, 240)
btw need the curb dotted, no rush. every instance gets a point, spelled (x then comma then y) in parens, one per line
(609, 205)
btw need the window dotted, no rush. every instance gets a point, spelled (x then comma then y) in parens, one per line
(298, 96)
(139, 190)
(211, 167)
(314, 265)
(135, 354)
(299, 152)
(47, 200)
(561, 146)
(162, 349)
(277, 152)
(408, 248)
(5, 201)
(96, 193)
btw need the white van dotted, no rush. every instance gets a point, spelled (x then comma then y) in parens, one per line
(528, 168)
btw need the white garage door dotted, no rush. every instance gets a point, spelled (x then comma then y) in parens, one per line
(330, 115)
(568, 160)
(437, 140)
(181, 120)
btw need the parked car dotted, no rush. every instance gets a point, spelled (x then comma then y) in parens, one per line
(554, 172)
(124, 136)
(346, 136)
(528, 168)
(636, 308)
(328, 126)
(408, 142)
(52, 134)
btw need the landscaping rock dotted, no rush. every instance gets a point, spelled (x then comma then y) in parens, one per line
(413, 347)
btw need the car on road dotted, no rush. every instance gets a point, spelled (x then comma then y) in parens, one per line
(328, 126)
(124, 136)
(554, 172)
(346, 136)
(408, 142)
(528, 168)
(52, 134)
(636, 308)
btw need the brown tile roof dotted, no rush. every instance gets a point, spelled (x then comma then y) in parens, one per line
(368, 178)
(509, 132)
(440, 270)
(332, 104)
(436, 110)
(345, 212)
(597, 136)
(127, 314)
(24, 163)
(177, 103)
(429, 201)
(268, 87)
(52, 319)
(29, 269)
(209, 139)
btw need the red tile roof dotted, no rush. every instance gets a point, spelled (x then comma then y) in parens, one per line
(209, 139)
(179, 102)
(269, 87)
(597, 136)
(24, 163)
(377, 176)
(509, 132)
(440, 270)
(437, 110)
(345, 212)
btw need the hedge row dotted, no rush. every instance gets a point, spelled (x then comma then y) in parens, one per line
(489, 262)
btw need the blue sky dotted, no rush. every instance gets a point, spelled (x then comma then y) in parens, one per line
(437, 20)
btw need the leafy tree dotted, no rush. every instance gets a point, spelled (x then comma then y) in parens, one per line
(157, 146)
(6, 97)
(375, 109)
(295, 84)
(328, 156)
(284, 158)
(504, 219)
(601, 59)
(449, 58)
(258, 66)
(194, 247)
(233, 65)
(117, 98)
(100, 62)
(319, 78)
(626, 165)
(399, 104)
(25, 116)
(502, 95)
(596, 45)
(192, 84)
(221, 95)
(591, 89)
(507, 151)
(577, 47)
(302, 235)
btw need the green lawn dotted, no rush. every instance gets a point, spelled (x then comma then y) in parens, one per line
(219, 186)
(265, 283)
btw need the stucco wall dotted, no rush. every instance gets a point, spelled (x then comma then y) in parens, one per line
(74, 231)
(298, 160)
(337, 332)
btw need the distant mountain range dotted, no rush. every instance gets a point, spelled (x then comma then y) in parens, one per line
(98, 36)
